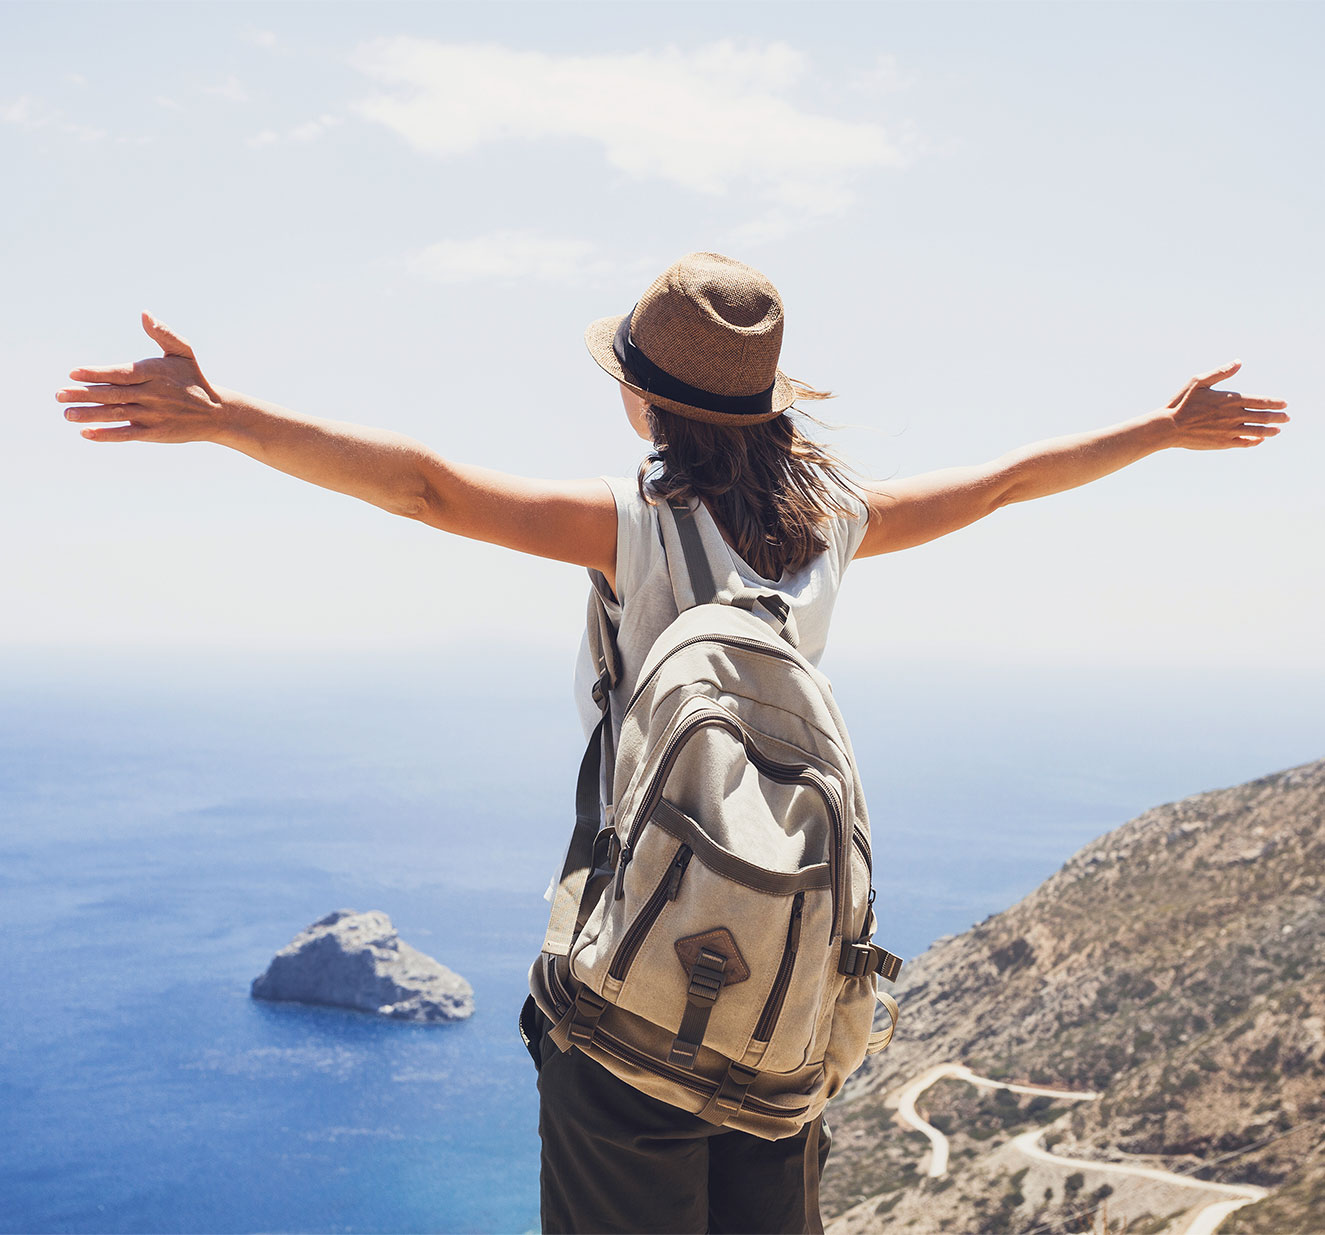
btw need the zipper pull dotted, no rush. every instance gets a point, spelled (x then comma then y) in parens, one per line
(619, 890)
(679, 864)
(794, 930)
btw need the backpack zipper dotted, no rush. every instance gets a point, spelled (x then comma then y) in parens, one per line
(561, 1000)
(628, 1054)
(735, 641)
(669, 756)
(688, 1080)
(768, 1018)
(668, 888)
(785, 772)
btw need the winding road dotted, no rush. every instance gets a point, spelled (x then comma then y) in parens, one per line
(1206, 1221)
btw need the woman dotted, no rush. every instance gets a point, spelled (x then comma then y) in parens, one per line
(696, 363)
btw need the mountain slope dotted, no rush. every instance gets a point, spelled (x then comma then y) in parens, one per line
(1174, 966)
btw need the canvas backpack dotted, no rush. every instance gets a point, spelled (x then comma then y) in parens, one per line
(710, 942)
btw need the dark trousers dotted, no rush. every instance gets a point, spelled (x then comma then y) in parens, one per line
(617, 1160)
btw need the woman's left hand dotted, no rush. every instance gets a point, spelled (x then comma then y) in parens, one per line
(1206, 419)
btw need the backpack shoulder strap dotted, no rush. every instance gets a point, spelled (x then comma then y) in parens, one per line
(602, 636)
(697, 581)
(694, 582)
(581, 854)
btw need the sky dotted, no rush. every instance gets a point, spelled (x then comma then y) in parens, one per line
(989, 223)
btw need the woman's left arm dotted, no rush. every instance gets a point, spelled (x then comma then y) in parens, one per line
(910, 512)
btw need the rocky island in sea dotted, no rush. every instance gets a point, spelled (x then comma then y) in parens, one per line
(357, 960)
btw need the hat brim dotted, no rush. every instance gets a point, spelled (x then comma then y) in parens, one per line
(598, 338)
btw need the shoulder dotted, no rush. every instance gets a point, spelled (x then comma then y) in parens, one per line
(639, 539)
(845, 529)
(635, 513)
(626, 493)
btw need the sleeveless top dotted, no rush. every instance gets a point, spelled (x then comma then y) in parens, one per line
(645, 606)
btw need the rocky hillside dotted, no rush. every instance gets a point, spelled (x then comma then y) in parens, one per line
(1174, 966)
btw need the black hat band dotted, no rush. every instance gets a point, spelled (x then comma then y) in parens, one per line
(656, 381)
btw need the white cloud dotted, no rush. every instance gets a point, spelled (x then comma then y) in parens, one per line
(508, 255)
(25, 112)
(314, 128)
(162, 100)
(260, 38)
(84, 132)
(709, 120)
(231, 89)
(310, 130)
(21, 112)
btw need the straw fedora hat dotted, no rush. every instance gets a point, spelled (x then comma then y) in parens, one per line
(702, 342)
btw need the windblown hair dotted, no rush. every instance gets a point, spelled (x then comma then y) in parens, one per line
(769, 485)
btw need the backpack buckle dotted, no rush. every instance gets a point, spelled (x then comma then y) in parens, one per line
(706, 976)
(855, 959)
(777, 606)
(731, 1093)
(705, 983)
(589, 1008)
(606, 851)
(861, 959)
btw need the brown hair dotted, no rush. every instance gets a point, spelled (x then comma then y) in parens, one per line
(770, 486)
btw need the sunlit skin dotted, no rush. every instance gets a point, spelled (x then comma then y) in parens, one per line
(167, 398)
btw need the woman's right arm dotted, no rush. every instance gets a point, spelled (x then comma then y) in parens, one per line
(168, 399)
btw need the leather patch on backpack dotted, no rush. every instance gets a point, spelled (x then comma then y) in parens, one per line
(719, 939)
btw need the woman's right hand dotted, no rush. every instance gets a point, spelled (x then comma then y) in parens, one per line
(1206, 419)
(165, 398)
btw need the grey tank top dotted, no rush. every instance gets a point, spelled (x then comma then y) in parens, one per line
(645, 604)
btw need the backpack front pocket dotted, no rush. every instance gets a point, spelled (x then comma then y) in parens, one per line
(619, 925)
(706, 944)
(668, 889)
(724, 949)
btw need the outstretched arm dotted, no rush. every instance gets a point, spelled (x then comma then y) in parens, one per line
(910, 512)
(167, 399)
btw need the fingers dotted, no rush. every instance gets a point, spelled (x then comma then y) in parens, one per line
(93, 415)
(99, 394)
(1204, 381)
(166, 339)
(1251, 407)
(1259, 432)
(1257, 403)
(116, 433)
(119, 374)
(136, 430)
(1221, 374)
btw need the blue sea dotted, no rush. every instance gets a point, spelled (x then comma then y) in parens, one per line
(169, 821)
